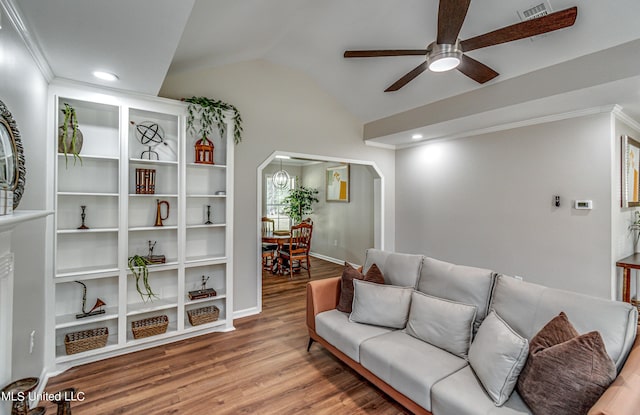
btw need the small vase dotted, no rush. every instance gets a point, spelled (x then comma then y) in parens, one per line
(62, 139)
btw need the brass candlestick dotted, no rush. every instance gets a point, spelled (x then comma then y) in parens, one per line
(83, 215)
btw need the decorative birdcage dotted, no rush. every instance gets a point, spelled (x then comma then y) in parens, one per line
(204, 151)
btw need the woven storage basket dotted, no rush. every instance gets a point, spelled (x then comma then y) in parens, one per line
(84, 340)
(149, 326)
(203, 315)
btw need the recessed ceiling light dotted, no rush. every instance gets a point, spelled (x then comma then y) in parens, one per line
(105, 76)
(416, 136)
(283, 157)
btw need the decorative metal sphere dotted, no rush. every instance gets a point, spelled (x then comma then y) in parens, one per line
(281, 179)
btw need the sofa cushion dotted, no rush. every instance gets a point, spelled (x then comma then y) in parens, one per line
(566, 373)
(497, 356)
(462, 394)
(467, 285)
(527, 307)
(334, 326)
(409, 365)
(398, 269)
(442, 323)
(346, 284)
(380, 305)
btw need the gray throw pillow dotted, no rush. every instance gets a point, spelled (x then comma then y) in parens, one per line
(497, 356)
(443, 323)
(380, 305)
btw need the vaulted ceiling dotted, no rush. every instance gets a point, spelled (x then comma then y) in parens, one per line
(144, 40)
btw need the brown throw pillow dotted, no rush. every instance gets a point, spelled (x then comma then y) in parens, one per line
(346, 284)
(566, 372)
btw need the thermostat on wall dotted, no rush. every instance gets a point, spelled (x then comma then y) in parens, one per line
(583, 204)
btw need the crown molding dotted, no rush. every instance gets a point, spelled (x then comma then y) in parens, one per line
(14, 15)
(622, 116)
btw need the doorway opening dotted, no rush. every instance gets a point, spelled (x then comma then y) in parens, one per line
(342, 230)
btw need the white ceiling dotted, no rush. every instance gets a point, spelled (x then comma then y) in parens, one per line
(143, 40)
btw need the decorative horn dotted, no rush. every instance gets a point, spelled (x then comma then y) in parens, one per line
(99, 303)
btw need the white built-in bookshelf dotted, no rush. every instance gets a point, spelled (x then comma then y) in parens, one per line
(121, 223)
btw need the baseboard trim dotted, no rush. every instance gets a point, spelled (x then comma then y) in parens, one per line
(327, 258)
(246, 312)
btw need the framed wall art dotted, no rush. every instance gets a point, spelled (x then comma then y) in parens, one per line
(630, 162)
(337, 183)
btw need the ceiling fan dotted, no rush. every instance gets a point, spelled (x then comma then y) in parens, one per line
(447, 52)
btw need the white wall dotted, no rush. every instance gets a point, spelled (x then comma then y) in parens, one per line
(622, 239)
(343, 231)
(487, 201)
(23, 90)
(282, 110)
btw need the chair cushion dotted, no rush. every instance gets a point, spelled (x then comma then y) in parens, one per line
(442, 323)
(463, 284)
(398, 269)
(566, 372)
(527, 307)
(346, 284)
(334, 326)
(497, 356)
(462, 394)
(409, 365)
(380, 304)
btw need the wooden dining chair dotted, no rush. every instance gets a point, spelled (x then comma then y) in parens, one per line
(298, 249)
(269, 251)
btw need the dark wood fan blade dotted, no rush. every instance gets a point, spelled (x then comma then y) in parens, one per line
(533, 27)
(408, 77)
(475, 70)
(387, 52)
(451, 14)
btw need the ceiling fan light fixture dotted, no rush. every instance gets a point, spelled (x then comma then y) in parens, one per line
(443, 57)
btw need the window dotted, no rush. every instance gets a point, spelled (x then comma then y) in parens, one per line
(275, 205)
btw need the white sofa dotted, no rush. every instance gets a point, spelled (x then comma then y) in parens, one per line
(429, 380)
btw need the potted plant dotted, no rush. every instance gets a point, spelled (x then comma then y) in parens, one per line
(138, 266)
(299, 202)
(69, 135)
(634, 228)
(211, 114)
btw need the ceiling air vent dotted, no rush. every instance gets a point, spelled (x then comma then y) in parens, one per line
(539, 10)
(535, 11)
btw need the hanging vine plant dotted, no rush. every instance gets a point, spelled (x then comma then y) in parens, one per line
(138, 266)
(211, 115)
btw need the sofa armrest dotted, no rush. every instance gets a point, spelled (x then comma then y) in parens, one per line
(322, 295)
(623, 395)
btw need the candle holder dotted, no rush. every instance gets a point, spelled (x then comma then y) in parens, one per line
(83, 216)
(208, 222)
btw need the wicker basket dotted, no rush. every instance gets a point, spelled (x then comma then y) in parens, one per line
(149, 326)
(84, 340)
(203, 315)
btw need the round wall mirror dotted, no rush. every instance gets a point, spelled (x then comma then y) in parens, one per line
(12, 169)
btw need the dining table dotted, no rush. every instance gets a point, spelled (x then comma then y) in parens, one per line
(279, 238)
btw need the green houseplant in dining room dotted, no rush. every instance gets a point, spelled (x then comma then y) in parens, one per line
(211, 115)
(69, 135)
(138, 266)
(299, 202)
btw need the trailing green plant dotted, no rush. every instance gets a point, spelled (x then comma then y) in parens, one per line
(70, 120)
(138, 266)
(299, 202)
(211, 114)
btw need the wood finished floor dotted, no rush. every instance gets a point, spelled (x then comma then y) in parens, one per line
(260, 368)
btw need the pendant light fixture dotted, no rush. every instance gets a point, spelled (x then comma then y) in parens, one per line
(281, 178)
